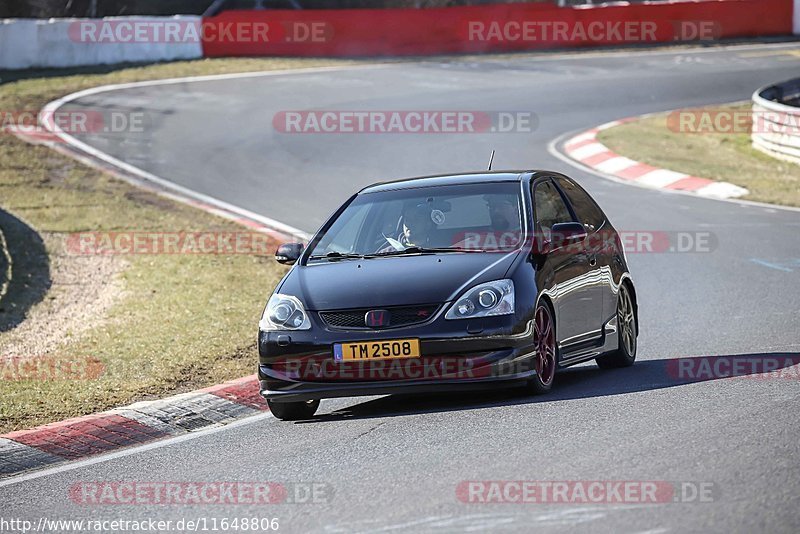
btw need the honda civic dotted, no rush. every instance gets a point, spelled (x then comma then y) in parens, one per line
(447, 283)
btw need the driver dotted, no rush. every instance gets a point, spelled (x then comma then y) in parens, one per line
(417, 226)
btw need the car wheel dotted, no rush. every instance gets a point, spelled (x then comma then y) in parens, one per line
(293, 411)
(625, 355)
(544, 339)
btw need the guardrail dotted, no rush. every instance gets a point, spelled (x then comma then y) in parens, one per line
(776, 124)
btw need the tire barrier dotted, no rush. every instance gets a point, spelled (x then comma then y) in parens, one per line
(776, 120)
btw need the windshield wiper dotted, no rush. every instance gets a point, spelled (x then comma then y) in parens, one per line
(338, 256)
(424, 250)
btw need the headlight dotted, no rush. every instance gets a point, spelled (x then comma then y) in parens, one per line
(284, 312)
(484, 300)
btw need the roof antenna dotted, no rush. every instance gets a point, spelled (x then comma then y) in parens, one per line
(491, 159)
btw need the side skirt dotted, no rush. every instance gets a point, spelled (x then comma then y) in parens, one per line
(581, 352)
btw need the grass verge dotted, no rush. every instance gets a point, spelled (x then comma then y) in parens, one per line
(147, 325)
(717, 156)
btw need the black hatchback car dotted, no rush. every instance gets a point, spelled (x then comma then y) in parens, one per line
(444, 283)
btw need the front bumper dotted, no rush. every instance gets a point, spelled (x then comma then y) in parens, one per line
(296, 366)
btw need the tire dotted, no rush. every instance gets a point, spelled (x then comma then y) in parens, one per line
(544, 336)
(625, 355)
(293, 411)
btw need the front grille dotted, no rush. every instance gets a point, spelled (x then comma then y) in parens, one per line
(397, 316)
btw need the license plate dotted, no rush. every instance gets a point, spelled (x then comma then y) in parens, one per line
(376, 350)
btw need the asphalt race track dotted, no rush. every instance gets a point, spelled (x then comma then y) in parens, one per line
(393, 464)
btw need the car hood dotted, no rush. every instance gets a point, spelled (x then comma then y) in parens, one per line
(394, 281)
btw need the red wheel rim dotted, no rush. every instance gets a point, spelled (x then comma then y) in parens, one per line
(545, 341)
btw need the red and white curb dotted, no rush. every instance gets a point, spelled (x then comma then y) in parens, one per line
(587, 150)
(143, 422)
(33, 136)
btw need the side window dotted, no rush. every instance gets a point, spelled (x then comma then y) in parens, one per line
(585, 208)
(549, 207)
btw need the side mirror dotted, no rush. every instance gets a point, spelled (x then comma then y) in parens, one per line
(289, 253)
(564, 234)
(561, 236)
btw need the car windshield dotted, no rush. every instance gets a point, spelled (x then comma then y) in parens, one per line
(482, 217)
